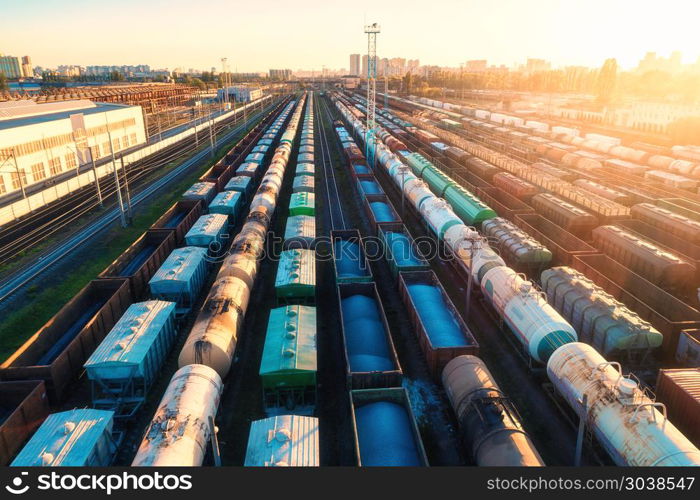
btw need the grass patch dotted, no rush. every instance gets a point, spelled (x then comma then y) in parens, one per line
(45, 301)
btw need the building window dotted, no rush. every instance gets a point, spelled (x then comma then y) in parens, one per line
(16, 179)
(95, 151)
(71, 161)
(125, 141)
(116, 144)
(38, 171)
(106, 148)
(55, 166)
(3, 189)
(133, 139)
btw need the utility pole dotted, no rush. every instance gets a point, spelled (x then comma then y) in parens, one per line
(211, 135)
(126, 188)
(474, 245)
(94, 172)
(372, 30)
(122, 215)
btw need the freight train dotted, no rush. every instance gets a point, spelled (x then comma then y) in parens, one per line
(545, 334)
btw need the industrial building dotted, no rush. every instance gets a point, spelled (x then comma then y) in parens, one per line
(241, 93)
(41, 141)
(280, 74)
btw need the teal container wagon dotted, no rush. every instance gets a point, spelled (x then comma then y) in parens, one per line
(75, 438)
(296, 275)
(227, 203)
(399, 249)
(127, 362)
(302, 204)
(180, 278)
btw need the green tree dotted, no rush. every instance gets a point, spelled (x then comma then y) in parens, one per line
(3, 82)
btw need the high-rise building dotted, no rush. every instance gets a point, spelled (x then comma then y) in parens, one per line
(9, 65)
(27, 70)
(355, 64)
(364, 66)
(476, 66)
(280, 74)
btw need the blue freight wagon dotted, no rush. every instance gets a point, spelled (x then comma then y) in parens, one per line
(227, 203)
(181, 277)
(208, 232)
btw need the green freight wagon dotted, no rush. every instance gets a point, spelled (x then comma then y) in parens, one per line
(302, 204)
(288, 367)
(468, 207)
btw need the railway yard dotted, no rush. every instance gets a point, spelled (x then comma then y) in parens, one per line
(456, 287)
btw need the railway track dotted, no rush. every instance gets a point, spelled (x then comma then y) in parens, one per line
(335, 209)
(22, 276)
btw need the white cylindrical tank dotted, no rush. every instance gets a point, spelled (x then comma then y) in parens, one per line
(537, 325)
(501, 284)
(439, 215)
(179, 432)
(214, 335)
(458, 238)
(629, 425)
(417, 192)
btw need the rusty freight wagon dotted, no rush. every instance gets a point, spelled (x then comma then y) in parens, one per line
(572, 218)
(179, 218)
(56, 353)
(441, 331)
(23, 407)
(370, 356)
(141, 260)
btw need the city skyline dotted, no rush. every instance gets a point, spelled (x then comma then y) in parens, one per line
(543, 30)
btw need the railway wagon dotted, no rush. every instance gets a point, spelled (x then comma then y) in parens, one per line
(208, 232)
(56, 353)
(284, 441)
(248, 169)
(367, 184)
(679, 390)
(370, 356)
(686, 208)
(302, 204)
(665, 312)
(350, 264)
(467, 206)
(141, 260)
(359, 168)
(179, 218)
(218, 174)
(503, 204)
(204, 191)
(688, 351)
(604, 191)
(384, 429)
(75, 438)
(400, 250)
(288, 368)
(490, 429)
(598, 318)
(296, 275)
(127, 362)
(23, 407)
(181, 278)
(520, 188)
(228, 203)
(667, 270)
(441, 331)
(305, 169)
(241, 183)
(379, 210)
(575, 220)
(258, 158)
(672, 223)
(300, 232)
(624, 167)
(673, 244)
(303, 184)
(515, 246)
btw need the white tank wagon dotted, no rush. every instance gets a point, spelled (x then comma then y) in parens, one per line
(214, 336)
(489, 424)
(535, 323)
(180, 430)
(631, 427)
(460, 238)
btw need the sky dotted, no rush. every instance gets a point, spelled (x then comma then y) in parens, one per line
(305, 34)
